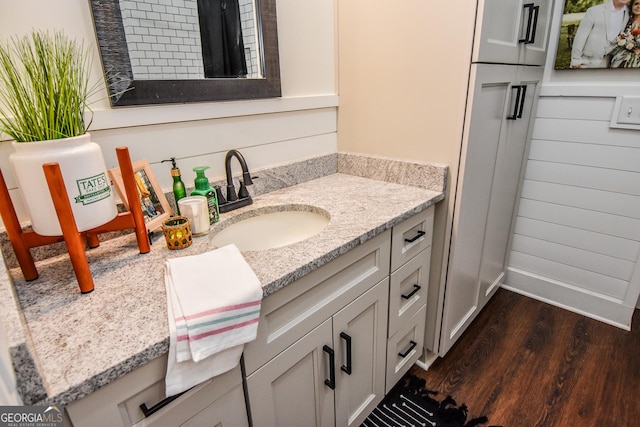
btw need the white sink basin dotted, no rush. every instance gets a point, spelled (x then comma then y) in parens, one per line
(265, 229)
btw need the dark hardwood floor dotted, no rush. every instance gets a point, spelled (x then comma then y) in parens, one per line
(524, 363)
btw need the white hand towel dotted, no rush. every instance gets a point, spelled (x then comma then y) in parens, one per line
(213, 305)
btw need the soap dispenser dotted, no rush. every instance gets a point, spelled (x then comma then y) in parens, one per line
(203, 188)
(179, 190)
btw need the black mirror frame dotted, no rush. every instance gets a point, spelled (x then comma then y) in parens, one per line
(125, 91)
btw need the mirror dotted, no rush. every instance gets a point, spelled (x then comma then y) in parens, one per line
(203, 50)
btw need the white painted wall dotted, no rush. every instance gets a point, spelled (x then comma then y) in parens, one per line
(300, 124)
(577, 240)
(404, 73)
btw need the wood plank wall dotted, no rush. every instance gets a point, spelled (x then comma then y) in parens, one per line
(577, 234)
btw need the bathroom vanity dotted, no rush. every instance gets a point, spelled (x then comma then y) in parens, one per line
(335, 341)
(343, 314)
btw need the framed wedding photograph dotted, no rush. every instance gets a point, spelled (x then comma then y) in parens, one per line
(601, 34)
(155, 207)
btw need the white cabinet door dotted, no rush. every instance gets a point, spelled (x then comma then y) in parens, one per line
(506, 182)
(360, 340)
(485, 122)
(512, 31)
(494, 146)
(290, 390)
(534, 50)
(296, 388)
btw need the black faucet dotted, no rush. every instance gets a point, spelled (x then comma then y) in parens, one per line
(233, 200)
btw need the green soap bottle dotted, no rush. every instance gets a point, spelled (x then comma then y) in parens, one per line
(203, 188)
(179, 190)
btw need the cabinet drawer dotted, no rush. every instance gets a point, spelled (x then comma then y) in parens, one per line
(118, 403)
(293, 311)
(405, 347)
(225, 389)
(228, 411)
(408, 291)
(411, 237)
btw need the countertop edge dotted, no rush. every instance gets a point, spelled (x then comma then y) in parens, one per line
(106, 377)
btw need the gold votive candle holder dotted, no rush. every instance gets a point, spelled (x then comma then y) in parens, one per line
(177, 232)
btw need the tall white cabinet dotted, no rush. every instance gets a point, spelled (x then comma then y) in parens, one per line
(494, 150)
(509, 49)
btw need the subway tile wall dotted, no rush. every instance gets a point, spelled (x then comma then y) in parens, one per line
(163, 38)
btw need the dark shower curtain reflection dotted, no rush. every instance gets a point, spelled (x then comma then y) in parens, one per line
(221, 36)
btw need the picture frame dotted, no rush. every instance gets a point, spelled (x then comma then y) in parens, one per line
(583, 43)
(154, 204)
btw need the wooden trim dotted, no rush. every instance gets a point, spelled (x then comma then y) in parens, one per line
(605, 309)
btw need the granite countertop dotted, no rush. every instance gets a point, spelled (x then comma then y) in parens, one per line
(68, 345)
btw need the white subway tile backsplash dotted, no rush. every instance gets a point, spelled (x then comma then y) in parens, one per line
(169, 29)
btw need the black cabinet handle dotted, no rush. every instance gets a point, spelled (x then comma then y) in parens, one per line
(532, 24)
(331, 382)
(518, 105)
(411, 347)
(536, 11)
(347, 368)
(416, 237)
(521, 107)
(155, 408)
(416, 288)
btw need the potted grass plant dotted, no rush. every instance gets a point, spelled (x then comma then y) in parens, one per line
(44, 96)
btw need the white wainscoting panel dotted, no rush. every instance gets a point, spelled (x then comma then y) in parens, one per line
(584, 176)
(263, 139)
(576, 242)
(583, 132)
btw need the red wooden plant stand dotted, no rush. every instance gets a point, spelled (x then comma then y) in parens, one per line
(22, 240)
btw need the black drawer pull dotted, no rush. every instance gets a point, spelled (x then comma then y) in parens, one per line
(411, 347)
(155, 408)
(416, 237)
(416, 288)
(347, 368)
(331, 382)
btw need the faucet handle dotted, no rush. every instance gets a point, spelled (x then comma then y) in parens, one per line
(243, 193)
(219, 195)
(246, 178)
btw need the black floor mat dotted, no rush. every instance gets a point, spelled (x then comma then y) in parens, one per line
(410, 403)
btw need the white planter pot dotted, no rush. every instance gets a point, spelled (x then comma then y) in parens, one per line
(85, 178)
